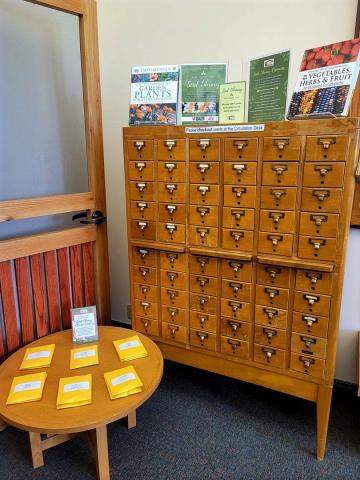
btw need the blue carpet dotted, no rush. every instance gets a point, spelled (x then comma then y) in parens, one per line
(201, 426)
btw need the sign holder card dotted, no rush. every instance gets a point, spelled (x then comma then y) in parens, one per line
(84, 325)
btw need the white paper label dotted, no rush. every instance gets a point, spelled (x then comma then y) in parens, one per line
(260, 127)
(42, 354)
(22, 387)
(122, 379)
(72, 387)
(84, 354)
(131, 344)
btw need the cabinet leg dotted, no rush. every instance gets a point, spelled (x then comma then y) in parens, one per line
(99, 446)
(131, 419)
(36, 449)
(323, 405)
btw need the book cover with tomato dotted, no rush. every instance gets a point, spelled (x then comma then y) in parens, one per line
(154, 95)
(326, 80)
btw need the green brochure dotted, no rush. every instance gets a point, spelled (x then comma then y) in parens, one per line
(232, 102)
(200, 92)
(268, 85)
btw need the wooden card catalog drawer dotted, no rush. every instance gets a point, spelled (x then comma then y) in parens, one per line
(201, 194)
(172, 192)
(235, 309)
(171, 149)
(201, 339)
(282, 198)
(172, 279)
(274, 317)
(140, 149)
(276, 243)
(203, 321)
(281, 148)
(243, 218)
(239, 196)
(203, 284)
(280, 173)
(144, 256)
(204, 172)
(235, 329)
(243, 173)
(277, 221)
(318, 248)
(147, 325)
(308, 365)
(205, 149)
(321, 200)
(173, 261)
(203, 265)
(143, 229)
(141, 170)
(312, 303)
(238, 239)
(171, 296)
(310, 324)
(236, 290)
(172, 232)
(273, 275)
(171, 171)
(308, 345)
(240, 149)
(142, 210)
(207, 215)
(272, 296)
(324, 174)
(145, 292)
(271, 356)
(270, 336)
(177, 333)
(235, 347)
(324, 224)
(236, 270)
(203, 236)
(172, 314)
(146, 309)
(142, 191)
(329, 148)
(203, 303)
(310, 280)
(172, 212)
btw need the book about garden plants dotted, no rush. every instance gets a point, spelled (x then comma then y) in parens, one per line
(154, 95)
(326, 80)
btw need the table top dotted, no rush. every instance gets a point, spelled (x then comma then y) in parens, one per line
(43, 416)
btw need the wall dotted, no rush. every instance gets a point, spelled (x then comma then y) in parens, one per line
(143, 32)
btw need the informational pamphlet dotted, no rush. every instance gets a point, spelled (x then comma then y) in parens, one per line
(326, 80)
(232, 102)
(200, 92)
(154, 95)
(26, 388)
(84, 324)
(268, 84)
(74, 391)
(123, 382)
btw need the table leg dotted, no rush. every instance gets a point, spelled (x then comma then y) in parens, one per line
(131, 419)
(36, 449)
(99, 446)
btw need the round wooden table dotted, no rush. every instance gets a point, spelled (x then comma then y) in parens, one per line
(42, 417)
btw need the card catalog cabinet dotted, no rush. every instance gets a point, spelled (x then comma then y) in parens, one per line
(237, 247)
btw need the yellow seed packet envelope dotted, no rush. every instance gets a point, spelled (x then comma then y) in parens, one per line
(38, 357)
(130, 348)
(26, 388)
(84, 356)
(74, 391)
(123, 382)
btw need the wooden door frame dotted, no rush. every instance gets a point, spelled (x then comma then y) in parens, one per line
(95, 198)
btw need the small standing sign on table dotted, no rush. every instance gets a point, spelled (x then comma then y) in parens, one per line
(84, 325)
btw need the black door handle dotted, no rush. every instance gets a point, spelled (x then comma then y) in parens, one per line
(96, 217)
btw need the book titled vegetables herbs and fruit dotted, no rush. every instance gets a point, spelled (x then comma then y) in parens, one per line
(154, 95)
(326, 80)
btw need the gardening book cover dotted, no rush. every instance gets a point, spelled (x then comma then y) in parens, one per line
(326, 80)
(154, 95)
(200, 85)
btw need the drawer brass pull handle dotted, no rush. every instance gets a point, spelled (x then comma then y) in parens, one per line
(171, 208)
(311, 299)
(307, 361)
(276, 216)
(203, 261)
(172, 276)
(272, 271)
(235, 306)
(172, 312)
(202, 319)
(173, 329)
(323, 169)
(202, 337)
(238, 214)
(280, 143)
(238, 191)
(171, 187)
(203, 167)
(140, 166)
(172, 294)
(275, 239)
(279, 169)
(142, 225)
(172, 257)
(203, 211)
(326, 142)
(235, 286)
(202, 281)
(269, 352)
(203, 189)
(144, 271)
(146, 322)
(239, 168)
(171, 228)
(141, 186)
(310, 320)
(308, 341)
(235, 344)
(139, 144)
(270, 313)
(272, 292)
(318, 219)
(145, 306)
(203, 143)
(234, 325)
(170, 167)
(203, 300)
(203, 232)
(236, 235)
(141, 206)
(143, 252)
(240, 145)
(236, 266)
(269, 333)
(277, 193)
(314, 277)
(144, 289)
(170, 144)
(321, 194)
(317, 242)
